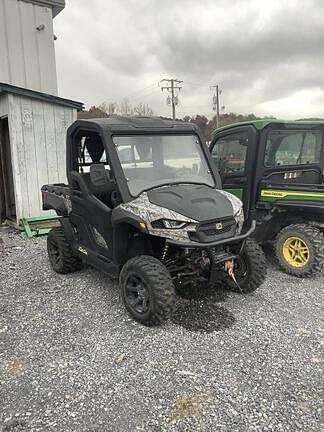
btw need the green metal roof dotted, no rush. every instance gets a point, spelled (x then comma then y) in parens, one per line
(261, 124)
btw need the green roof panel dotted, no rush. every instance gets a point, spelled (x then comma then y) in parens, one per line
(261, 124)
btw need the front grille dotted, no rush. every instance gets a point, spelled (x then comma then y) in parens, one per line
(207, 231)
(210, 229)
(213, 231)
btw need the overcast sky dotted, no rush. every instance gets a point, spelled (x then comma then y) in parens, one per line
(267, 56)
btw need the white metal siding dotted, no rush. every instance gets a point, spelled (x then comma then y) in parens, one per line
(27, 56)
(38, 145)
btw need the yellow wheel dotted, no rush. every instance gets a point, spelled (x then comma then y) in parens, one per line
(296, 252)
(299, 249)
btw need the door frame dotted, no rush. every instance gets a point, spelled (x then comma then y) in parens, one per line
(246, 179)
(80, 195)
(7, 185)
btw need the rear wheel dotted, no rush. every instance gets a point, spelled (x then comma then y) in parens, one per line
(147, 290)
(60, 253)
(250, 269)
(299, 249)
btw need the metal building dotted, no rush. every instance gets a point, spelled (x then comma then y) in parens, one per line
(33, 119)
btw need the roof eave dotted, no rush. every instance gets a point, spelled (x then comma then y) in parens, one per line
(56, 5)
(19, 91)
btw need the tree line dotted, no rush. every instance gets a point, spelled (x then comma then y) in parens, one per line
(126, 108)
(209, 125)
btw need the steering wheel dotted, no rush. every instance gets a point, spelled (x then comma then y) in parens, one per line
(225, 167)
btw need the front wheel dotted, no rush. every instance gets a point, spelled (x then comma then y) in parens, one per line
(250, 269)
(147, 290)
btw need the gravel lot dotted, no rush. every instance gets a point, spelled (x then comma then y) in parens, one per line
(72, 360)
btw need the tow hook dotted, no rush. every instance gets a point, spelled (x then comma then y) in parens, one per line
(229, 268)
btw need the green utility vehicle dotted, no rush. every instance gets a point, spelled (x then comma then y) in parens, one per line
(277, 168)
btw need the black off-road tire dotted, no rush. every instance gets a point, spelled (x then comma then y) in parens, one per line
(159, 288)
(61, 255)
(252, 264)
(313, 238)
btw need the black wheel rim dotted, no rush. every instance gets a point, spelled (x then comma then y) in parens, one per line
(54, 252)
(137, 294)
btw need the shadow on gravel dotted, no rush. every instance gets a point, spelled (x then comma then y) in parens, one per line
(217, 295)
(203, 316)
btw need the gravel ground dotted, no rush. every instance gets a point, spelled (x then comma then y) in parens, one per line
(72, 360)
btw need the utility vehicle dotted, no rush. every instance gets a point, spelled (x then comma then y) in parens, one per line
(143, 203)
(276, 167)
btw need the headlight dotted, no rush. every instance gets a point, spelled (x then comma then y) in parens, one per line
(173, 224)
(169, 224)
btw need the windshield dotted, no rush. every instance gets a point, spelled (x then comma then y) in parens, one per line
(149, 161)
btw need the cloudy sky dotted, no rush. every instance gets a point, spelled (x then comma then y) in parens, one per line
(267, 55)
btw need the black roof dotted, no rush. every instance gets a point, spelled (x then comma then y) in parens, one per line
(128, 124)
(20, 91)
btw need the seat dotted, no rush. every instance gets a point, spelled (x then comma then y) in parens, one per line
(99, 183)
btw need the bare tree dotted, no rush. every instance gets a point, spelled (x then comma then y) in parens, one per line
(143, 110)
(125, 108)
(106, 109)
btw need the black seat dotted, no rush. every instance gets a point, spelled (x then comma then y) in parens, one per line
(99, 183)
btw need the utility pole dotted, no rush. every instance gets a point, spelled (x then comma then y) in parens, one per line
(217, 93)
(172, 86)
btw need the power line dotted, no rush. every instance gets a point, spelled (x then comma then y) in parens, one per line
(141, 90)
(143, 95)
(172, 86)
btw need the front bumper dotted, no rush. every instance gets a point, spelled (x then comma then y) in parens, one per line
(230, 240)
